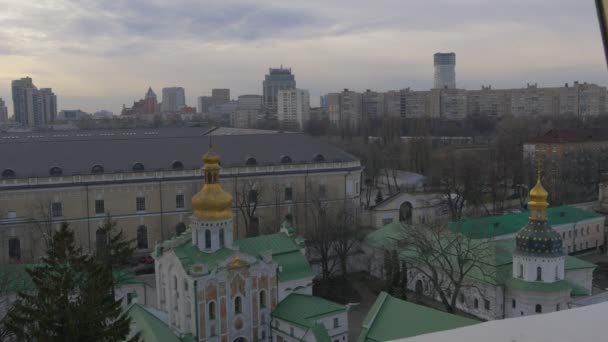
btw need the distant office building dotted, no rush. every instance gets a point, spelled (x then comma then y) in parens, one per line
(223, 114)
(72, 115)
(103, 114)
(174, 99)
(275, 80)
(449, 103)
(203, 103)
(489, 102)
(318, 114)
(3, 111)
(146, 106)
(220, 96)
(248, 111)
(33, 107)
(293, 108)
(445, 70)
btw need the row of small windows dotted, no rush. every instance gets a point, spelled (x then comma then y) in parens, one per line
(208, 238)
(317, 158)
(176, 165)
(537, 308)
(96, 169)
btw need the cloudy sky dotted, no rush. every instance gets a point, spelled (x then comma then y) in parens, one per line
(99, 54)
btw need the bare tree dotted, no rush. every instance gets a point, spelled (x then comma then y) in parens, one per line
(459, 176)
(346, 233)
(247, 200)
(321, 239)
(447, 259)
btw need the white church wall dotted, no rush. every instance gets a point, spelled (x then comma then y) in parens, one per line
(581, 277)
(526, 301)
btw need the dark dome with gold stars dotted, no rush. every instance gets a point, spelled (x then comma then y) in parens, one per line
(537, 238)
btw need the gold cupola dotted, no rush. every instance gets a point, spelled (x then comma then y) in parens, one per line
(538, 201)
(212, 202)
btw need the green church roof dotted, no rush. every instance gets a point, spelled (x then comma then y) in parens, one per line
(150, 327)
(304, 311)
(391, 318)
(285, 252)
(492, 226)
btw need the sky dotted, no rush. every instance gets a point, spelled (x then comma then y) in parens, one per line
(100, 54)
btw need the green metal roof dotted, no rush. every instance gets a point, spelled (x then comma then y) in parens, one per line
(491, 226)
(390, 233)
(391, 318)
(150, 327)
(574, 263)
(278, 243)
(294, 265)
(189, 254)
(538, 286)
(304, 311)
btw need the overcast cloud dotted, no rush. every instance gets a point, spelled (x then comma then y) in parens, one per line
(99, 54)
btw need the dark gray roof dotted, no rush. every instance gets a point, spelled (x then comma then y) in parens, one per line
(34, 154)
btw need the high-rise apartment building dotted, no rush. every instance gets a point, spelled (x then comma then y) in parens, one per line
(275, 80)
(33, 107)
(293, 108)
(203, 103)
(174, 99)
(220, 96)
(344, 109)
(445, 70)
(3, 111)
(372, 105)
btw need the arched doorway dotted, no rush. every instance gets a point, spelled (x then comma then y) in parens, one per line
(419, 288)
(240, 339)
(180, 228)
(405, 213)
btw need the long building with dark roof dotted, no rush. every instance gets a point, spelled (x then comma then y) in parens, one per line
(145, 178)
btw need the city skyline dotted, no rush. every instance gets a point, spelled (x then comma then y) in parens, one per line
(328, 46)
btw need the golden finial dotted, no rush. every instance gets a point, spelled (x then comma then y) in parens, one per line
(237, 263)
(538, 198)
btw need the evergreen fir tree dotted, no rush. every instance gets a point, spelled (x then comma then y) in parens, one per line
(71, 300)
(379, 197)
(117, 250)
(396, 280)
(404, 281)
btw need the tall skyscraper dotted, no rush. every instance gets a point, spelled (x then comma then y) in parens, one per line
(220, 96)
(277, 79)
(445, 70)
(174, 99)
(293, 108)
(32, 106)
(3, 111)
(48, 104)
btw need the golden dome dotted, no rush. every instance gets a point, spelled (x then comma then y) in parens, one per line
(538, 201)
(212, 202)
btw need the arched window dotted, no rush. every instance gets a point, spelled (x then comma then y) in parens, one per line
(476, 303)
(285, 160)
(142, 237)
(177, 165)
(557, 307)
(97, 169)
(101, 240)
(180, 228)
(207, 239)
(556, 273)
(222, 238)
(539, 273)
(14, 249)
(211, 310)
(318, 158)
(138, 167)
(538, 308)
(521, 270)
(513, 304)
(238, 305)
(55, 171)
(262, 299)
(250, 161)
(8, 173)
